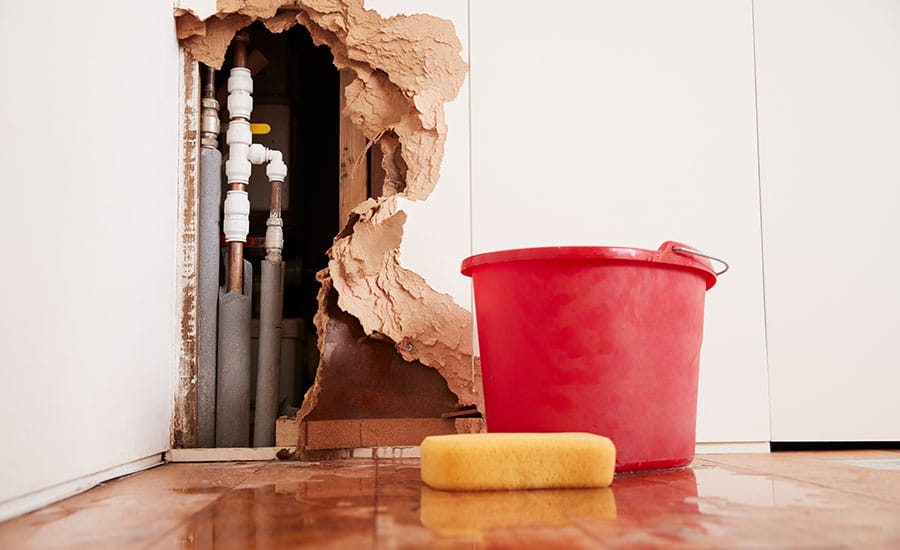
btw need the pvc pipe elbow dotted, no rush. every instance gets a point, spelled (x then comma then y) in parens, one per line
(276, 170)
(257, 154)
(236, 224)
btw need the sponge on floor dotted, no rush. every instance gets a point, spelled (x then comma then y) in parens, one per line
(474, 462)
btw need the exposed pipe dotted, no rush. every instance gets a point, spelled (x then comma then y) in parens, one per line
(208, 262)
(271, 299)
(237, 168)
(233, 381)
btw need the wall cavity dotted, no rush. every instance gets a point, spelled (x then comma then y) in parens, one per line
(406, 68)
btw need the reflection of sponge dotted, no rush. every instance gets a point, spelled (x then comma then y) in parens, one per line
(517, 461)
(473, 513)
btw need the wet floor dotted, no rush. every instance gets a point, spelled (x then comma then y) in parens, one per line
(789, 500)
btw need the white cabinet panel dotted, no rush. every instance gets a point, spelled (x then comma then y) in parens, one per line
(630, 123)
(829, 114)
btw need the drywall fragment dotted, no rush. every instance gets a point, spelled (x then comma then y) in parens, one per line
(364, 378)
(426, 325)
(209, 42)
(393, 165)
(365, 394)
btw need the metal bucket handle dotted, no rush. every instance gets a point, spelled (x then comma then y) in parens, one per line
(702, 255)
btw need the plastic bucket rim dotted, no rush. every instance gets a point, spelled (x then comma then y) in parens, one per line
(664, 256)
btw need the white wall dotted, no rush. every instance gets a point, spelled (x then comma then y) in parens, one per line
(89, 151)
(630, 123)
(829, 114)
(437, 232)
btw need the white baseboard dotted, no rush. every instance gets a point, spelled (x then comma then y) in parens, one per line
(229, 454)
(38, 499)
(247, 454)
(732, 447)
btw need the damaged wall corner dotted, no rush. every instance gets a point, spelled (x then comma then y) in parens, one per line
(406, 68)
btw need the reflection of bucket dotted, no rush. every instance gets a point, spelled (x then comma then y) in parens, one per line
(594, 339)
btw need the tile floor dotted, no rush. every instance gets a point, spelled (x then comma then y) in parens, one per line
(783, 500)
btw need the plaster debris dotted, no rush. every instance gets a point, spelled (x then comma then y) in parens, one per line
(424, 325)
(407, 68)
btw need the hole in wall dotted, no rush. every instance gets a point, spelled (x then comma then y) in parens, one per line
(296, 93)
(399, 73)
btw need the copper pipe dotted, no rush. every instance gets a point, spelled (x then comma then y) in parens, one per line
(240, 49)
(236, 248)
(209, 89)
(236, 256)
(236, 266)
(275, 199)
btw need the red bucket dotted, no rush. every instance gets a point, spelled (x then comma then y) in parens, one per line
(594, 339)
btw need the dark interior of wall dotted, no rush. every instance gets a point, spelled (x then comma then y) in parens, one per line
(301, 76)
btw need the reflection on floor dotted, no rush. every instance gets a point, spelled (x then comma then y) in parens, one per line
(815, 500)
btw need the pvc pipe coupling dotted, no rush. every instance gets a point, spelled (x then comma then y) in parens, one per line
(240, 88)
(242, 155)
(274, 234)
(236, 224)
(239, 138)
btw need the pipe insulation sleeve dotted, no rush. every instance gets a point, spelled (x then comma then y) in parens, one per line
(237, 216)
(233, 380)
(208, 259)
(269, 358)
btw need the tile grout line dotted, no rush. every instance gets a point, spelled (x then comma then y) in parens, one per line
(189, 517)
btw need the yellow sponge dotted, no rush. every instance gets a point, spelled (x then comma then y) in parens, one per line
(475, 462)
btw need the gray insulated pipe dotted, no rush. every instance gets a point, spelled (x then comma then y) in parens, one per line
(233, 380)
(208, 293)
(271, 294)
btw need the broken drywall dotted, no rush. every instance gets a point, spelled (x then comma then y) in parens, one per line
(363, 377)
(390, 300)
(407, 68)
